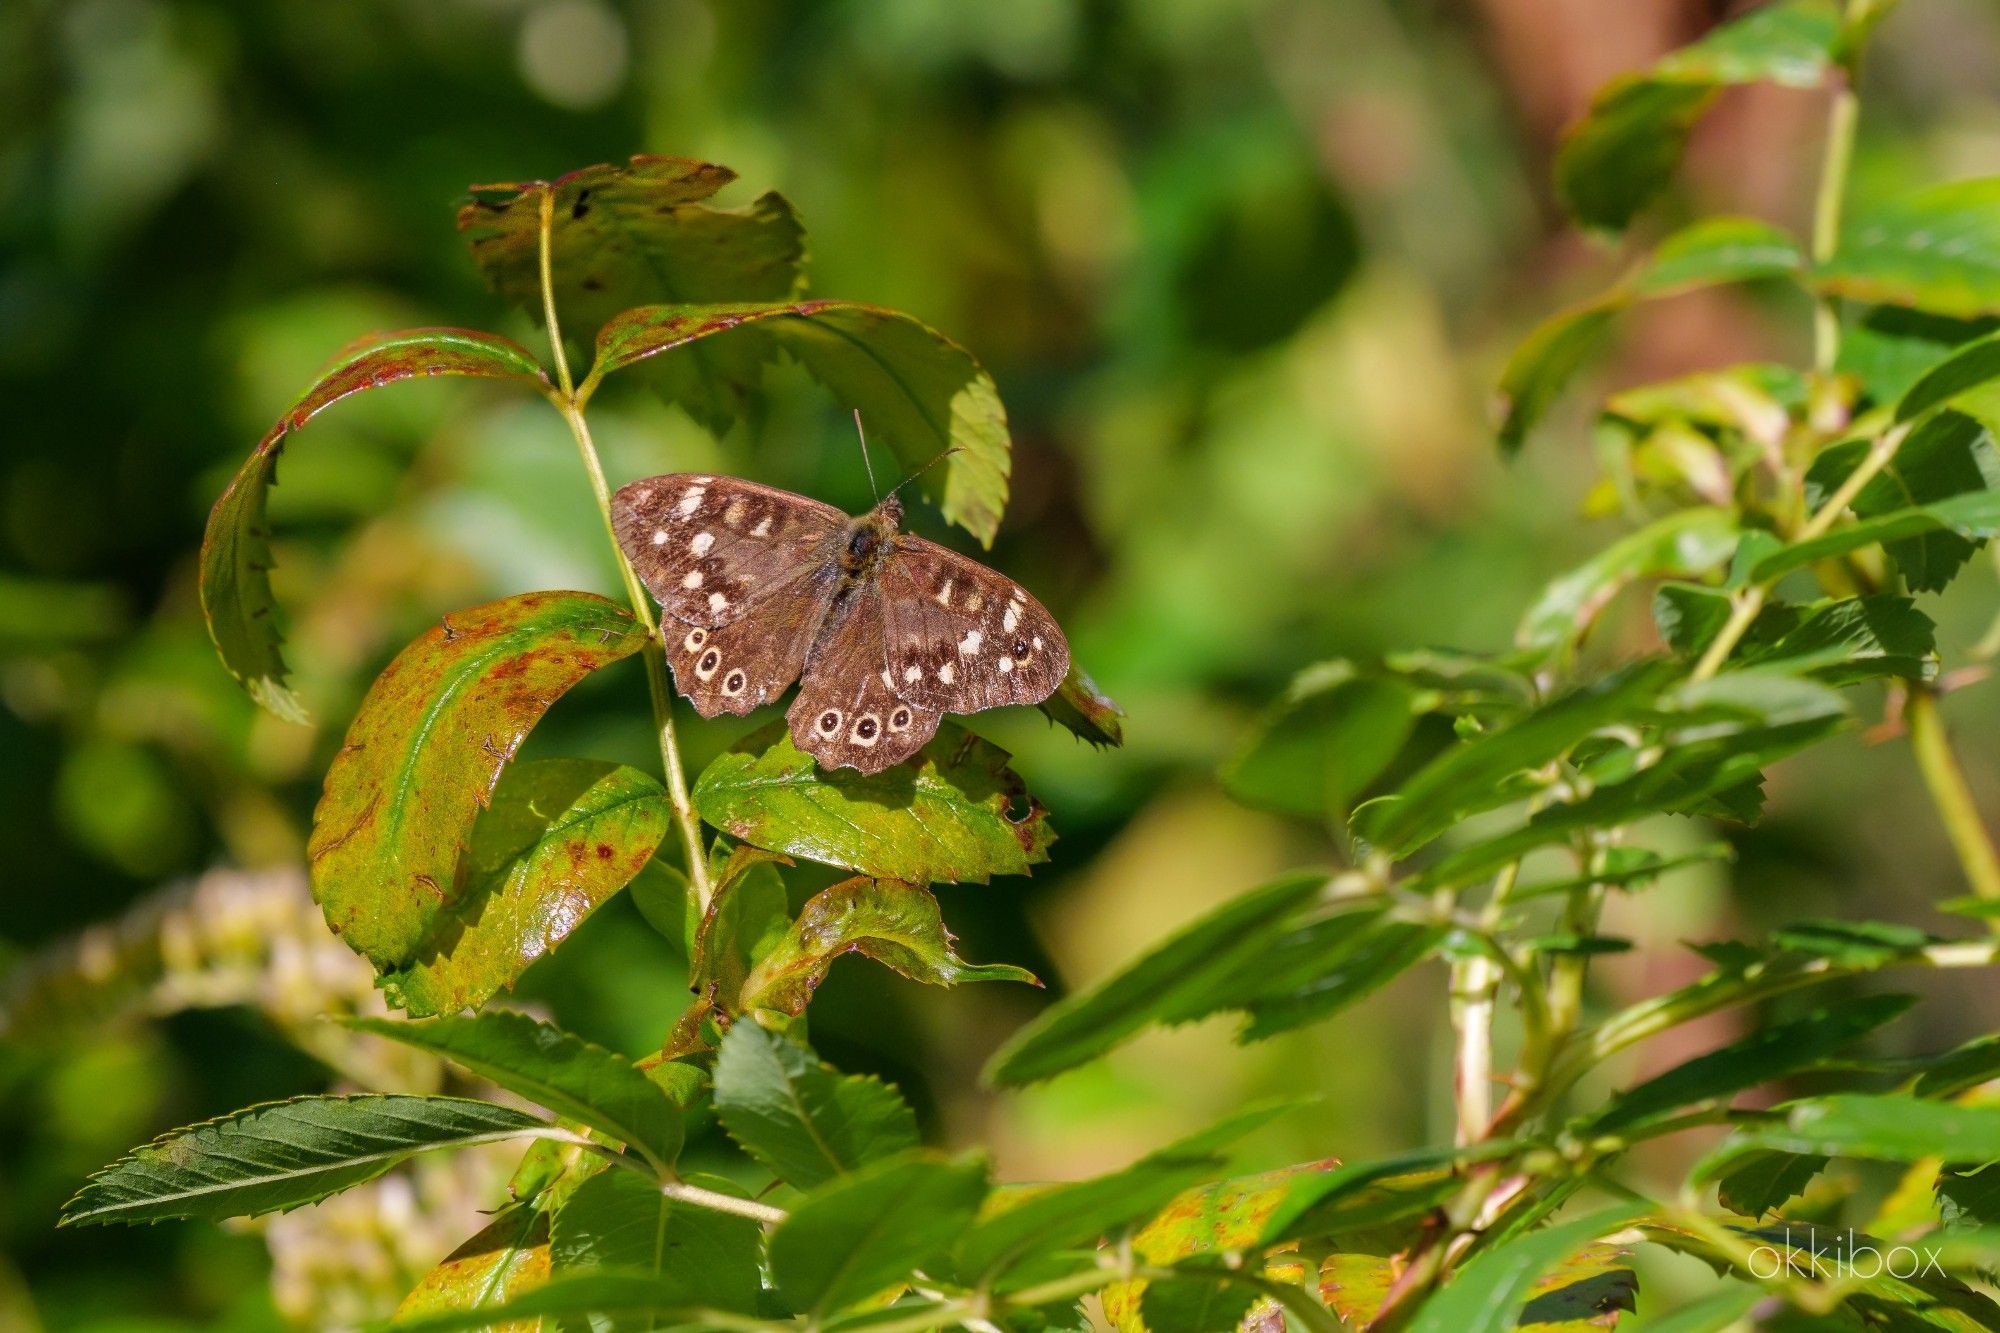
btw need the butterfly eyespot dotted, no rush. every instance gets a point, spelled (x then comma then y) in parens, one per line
(734, 682)
(829, 722)
(1020, 648)
(866, 729)
(900, 720)
(695, 639)
(706, 667)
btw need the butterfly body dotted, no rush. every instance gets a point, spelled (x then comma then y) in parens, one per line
(886, 631)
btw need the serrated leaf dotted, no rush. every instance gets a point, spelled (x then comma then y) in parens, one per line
(861, 1234)
(749, 913)
(1764, 1056)
(917, 391)
(1680, 545)
(1974, 516)
(1966, 380)
(561, 837)
(564, 1298)
(954, 812)
(236, 556)
(1947, 455)
(1582, 1294)
(1019, 1226)
(426, 750)
(1488, 1293)
(619, 1222)
(279, 1155)
(572, 1077)
(1083, 710)
(1628, 144)
(805, 1121)
(1891, 1127)
(1960, 1069)
(1319, 971)
(1331, 734)
(1175, 976)
(1763, 1182)
(898, 925)
(1304, 1208)
(1937, 250)
(508, 1257)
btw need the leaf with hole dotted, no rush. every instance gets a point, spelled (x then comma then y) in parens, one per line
(954, 812)
(275, 1157)
(236, 555)
(426, 750)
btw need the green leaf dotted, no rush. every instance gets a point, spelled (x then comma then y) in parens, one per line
(620, 1222)
(1471, 776)
(1889, 348)
(746, 918)
(1937, 250)
(560, 838)
(1021, 1226)
(865, 1233)
(1837, 641)
(1623, 868)
(1546, 361)
(1764, 1056)
(1310, 1200)
(1764, 1182)
(581, 1296)
(898, 925)
(426, 750)
(637, 234)
(1087, 713)
(1889, 1127)
(276, 1156)
(570, 1076)
(1946, 455)
(1964, 379)
(1486, 1295)
(1316, 972)
(1331, 734)
(236, 555)
(803, 1120)
(952, 813)
(1582, 1294)
(1680, 545)
(1628, 145)
(1719, 250)
(1960, 1069)
(1201, 1302)
(917, 391)
(508, 1257)
(1974, 516)
(1175, 976)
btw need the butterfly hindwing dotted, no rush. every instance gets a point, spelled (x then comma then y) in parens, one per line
(738, 667)
(846, 714)
(711, 549)
(962, 637)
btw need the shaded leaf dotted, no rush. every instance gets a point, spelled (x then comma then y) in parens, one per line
(1084, 711)
(1584, 1293)
(864, 1233)
(1022, 1225)
(583, 1295)
(274, 1157)
(917, 391)
(508, 1257)
(1888, 348)
(560, 838)
(573, 1078)
(1974, 516)
(426, 750)
(236, 555)
(1331, 734)
(1174, 977)
(1324, 968)
(953, 812)
(1680, 545)
(1949, 454)
(1937, 249)
(748, 915)
(1763, 1182)
(1961, 1069)
(805, 1121)
(1965, 379)
(897, 925)
(1545, 362)
(1309, 1202)
(1488, 1293)
(1195, 1303)
(700, 1257)
(1627, 145)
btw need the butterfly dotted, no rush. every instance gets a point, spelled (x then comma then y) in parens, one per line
(885, 631)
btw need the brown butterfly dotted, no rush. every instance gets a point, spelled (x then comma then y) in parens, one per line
(889, 631)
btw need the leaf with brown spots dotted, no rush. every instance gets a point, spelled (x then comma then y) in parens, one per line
(953, 812)
(638, 234)
(561, 837)
(898, 925)
(236, 549)
(509, 1257)
(425, 752)
(917, 391)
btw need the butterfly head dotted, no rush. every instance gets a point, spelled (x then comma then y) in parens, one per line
(870, 538)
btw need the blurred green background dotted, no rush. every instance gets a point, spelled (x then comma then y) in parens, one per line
(1243, 269)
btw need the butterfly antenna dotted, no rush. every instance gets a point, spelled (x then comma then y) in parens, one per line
(926, 468)
(865, 461)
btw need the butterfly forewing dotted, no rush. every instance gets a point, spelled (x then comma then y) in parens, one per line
(736, 668)
(961, 637)
(711, 549)
(847, 714)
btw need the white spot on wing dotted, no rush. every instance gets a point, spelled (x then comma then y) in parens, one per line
(692, 579)
(944, 594)
(690, 500)
(1006, 665)
(734, 514)
(1012, 618)
(717, 602)
(946, 672)
(763, 528)
(659, 536)
(913, 674)
(702, 541)
(970, 643)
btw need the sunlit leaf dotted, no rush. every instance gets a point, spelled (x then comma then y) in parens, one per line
(1764, 1182)
(865, 1233)
(917, 391)
(560, 838)
(954, 812)
(1017, 1227)
(1886, 1127)
(1969, 379)
(1946, 455)
(563, 1298)
(1937, 249)
(746, 918)
(1888, 348)
(509, 1257)
(274, 1157)
(897, 925)
(572, 1077)
(236, 552)
(1307, 1206)
(1173, 978)
(1202, 1300)
(622, 1223)
(426, 750)
(1488, 1293)
(1680, 545)
(1718, 250)
(1085, 711)
(1628, 145)
(1974, 516)
(805, 1121)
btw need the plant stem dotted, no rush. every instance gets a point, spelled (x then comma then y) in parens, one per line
(661, 690)
(1949, 793)
(1475, 984)
(1842, 119)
